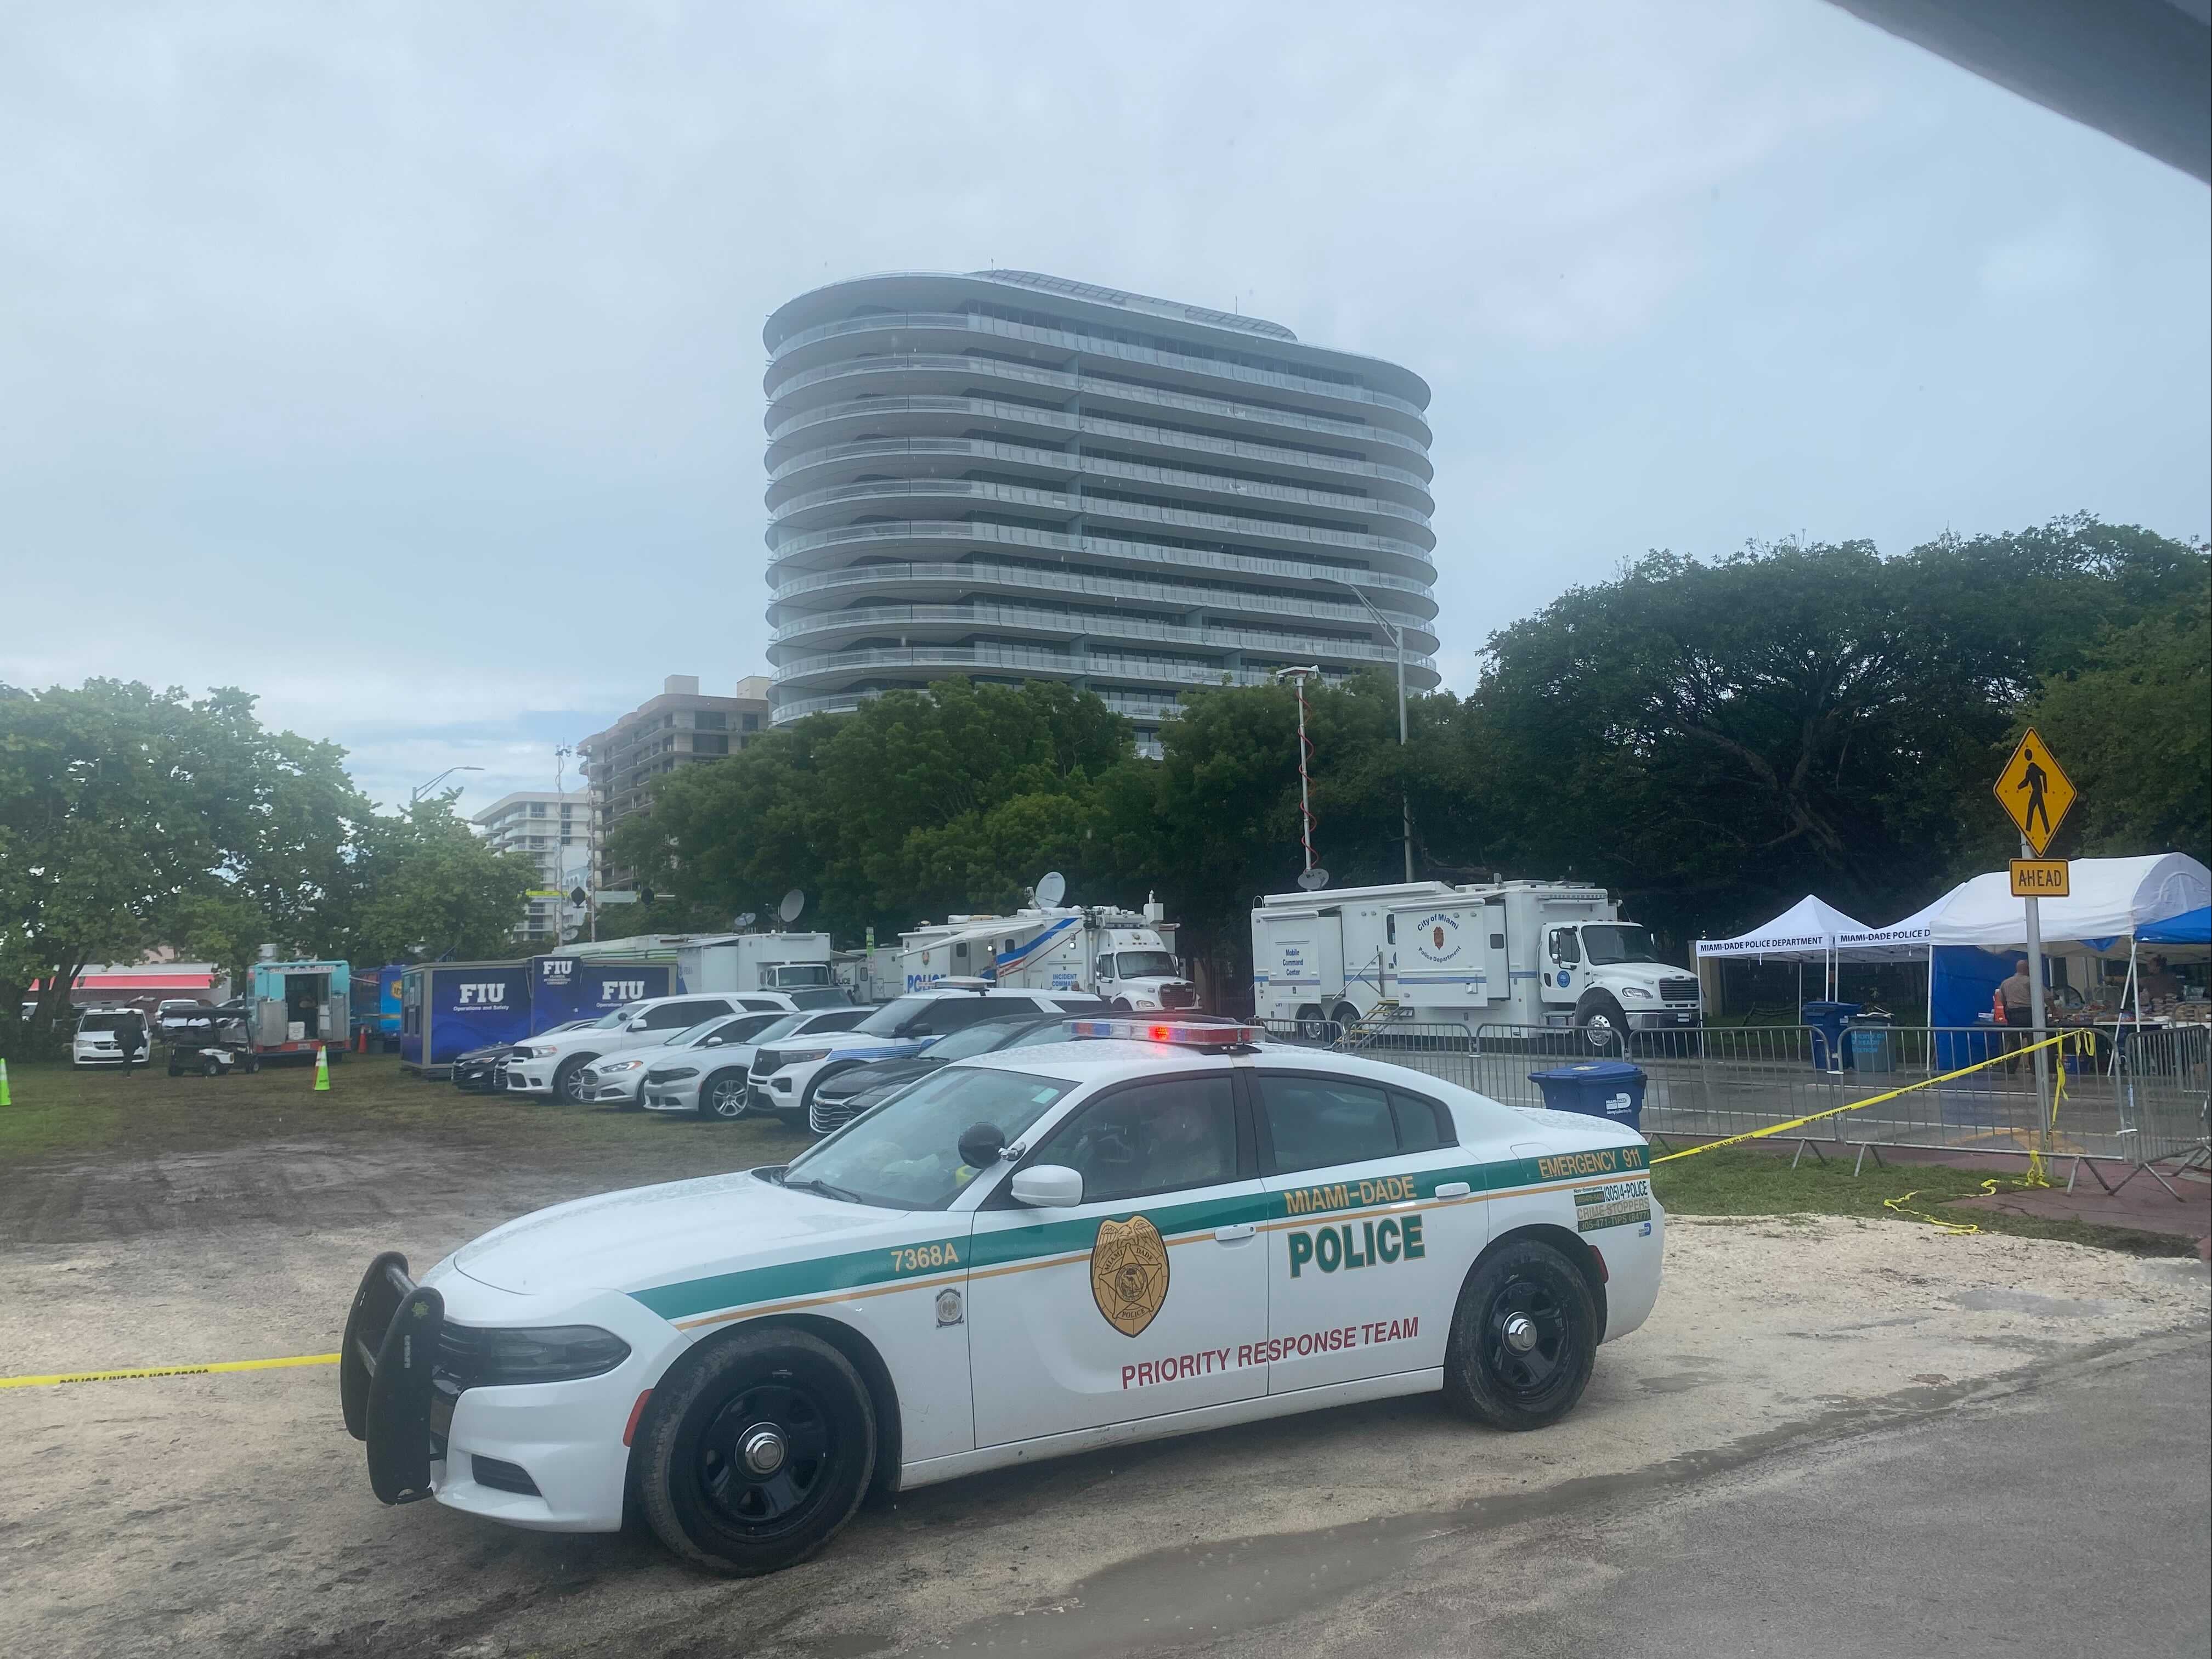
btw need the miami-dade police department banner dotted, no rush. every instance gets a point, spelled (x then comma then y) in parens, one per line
(570, 987)
(465, 1007)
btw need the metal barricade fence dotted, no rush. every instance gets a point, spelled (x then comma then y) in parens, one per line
(2140, 1103)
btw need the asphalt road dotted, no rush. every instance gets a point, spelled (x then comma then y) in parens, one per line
(2064, 1513)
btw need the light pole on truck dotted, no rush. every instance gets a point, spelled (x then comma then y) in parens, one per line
(1405, 785)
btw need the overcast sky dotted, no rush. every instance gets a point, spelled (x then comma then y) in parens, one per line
(402, 363)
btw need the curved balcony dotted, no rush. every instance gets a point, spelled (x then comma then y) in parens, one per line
(824, 507)
(971, 574)
(1146, 707)
(1030, 662)
(1061, 463)
(1069, 340)
(954, 373)
(956, 414)
(862, 620)
(789, 553)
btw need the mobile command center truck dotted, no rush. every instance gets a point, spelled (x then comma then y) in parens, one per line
(295, 1007)
(1126, 959)
(756, 961)
(1513, 953)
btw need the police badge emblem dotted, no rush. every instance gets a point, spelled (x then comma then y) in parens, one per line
(1129, 1273)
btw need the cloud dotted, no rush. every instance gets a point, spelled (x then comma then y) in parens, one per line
(404, 364)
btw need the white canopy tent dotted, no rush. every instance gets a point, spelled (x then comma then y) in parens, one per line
(2111, 898)
(1807, 932)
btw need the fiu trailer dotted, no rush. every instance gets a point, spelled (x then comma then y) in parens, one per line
(1151, 1230)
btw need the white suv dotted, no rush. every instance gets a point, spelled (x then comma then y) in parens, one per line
(554, 1064)
(785, 1073)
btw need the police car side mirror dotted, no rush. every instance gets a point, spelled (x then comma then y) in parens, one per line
(1049, 1187)
(637, 1024)
(713, 1042)
(981, 1144)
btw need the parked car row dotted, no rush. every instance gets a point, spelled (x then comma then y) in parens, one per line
(807, 1057)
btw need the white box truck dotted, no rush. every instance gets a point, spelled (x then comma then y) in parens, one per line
(1510, 953)
(756, 961)
(1124, 958)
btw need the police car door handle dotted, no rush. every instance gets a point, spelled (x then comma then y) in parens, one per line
(1454, 1190)
(1236, 1234)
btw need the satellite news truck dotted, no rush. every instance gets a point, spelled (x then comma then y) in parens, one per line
(1124, 958)
(1535, 954)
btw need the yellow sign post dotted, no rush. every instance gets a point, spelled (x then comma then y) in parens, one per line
(2035, 792)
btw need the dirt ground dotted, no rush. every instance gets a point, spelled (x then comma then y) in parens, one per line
(232, 1514)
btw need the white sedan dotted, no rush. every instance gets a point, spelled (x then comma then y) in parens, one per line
(1026, 1255)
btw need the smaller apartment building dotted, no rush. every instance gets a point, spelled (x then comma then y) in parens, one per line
(557, 831)
(680, 726)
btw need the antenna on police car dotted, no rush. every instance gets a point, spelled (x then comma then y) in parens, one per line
(1051, 888)
(793, 902)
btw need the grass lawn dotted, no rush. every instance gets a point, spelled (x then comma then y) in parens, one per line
(1743, 1182)
(62, 1110)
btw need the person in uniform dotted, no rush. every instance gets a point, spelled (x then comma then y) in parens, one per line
(2019, 995)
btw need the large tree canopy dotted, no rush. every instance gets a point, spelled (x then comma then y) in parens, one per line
(131, 818)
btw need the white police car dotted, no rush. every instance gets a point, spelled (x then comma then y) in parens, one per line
(1028, 1254)
(713, 1083)
(547, 1064)
(785, 1075)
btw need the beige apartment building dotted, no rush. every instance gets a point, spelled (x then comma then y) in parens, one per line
(682, 726)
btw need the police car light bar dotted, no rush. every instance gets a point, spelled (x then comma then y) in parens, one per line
(1184, 1036)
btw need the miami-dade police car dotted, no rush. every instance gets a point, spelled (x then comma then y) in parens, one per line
(1163, 1229)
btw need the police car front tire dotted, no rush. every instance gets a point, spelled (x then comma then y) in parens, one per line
(757, 1453)
(1523, 1338)
(722, 1097)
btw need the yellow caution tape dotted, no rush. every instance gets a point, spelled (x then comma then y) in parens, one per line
(1873, 1100)
(168, 1370)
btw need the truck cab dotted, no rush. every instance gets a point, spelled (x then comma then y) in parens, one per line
(1605, 977)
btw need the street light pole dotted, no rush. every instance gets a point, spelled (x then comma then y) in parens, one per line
(1397, 636)
(422, 789)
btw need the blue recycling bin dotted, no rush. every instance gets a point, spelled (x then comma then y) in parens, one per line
(1610, 1089)
(1827, 1020)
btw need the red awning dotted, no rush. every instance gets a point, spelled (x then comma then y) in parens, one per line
(151, 979)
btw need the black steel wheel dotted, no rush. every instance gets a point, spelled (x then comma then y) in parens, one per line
(1523, 1337)
(756, 1452)
(722, 1097)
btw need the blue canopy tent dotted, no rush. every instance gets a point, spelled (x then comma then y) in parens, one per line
(2190, 927)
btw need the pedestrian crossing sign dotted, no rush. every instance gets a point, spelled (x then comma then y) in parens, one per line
(2035, 792)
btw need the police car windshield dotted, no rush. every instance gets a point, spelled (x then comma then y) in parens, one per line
(975, 1040)
(905, 1155)
(1144, 964)
(889, 1019)
(789, 1025)
(1613, 943)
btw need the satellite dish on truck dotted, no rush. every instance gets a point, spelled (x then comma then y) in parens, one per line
(1313, 880)
(744, 921)
(793, 902)
(1051, 888)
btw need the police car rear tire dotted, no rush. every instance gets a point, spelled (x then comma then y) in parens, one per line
(757, 1453)
(1523, 1338)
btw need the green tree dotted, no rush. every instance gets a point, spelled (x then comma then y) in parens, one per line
(2133, 727)
(129, 816)
(426, 888)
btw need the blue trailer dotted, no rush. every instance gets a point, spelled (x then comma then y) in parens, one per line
(565, 987)
(447, 1008)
